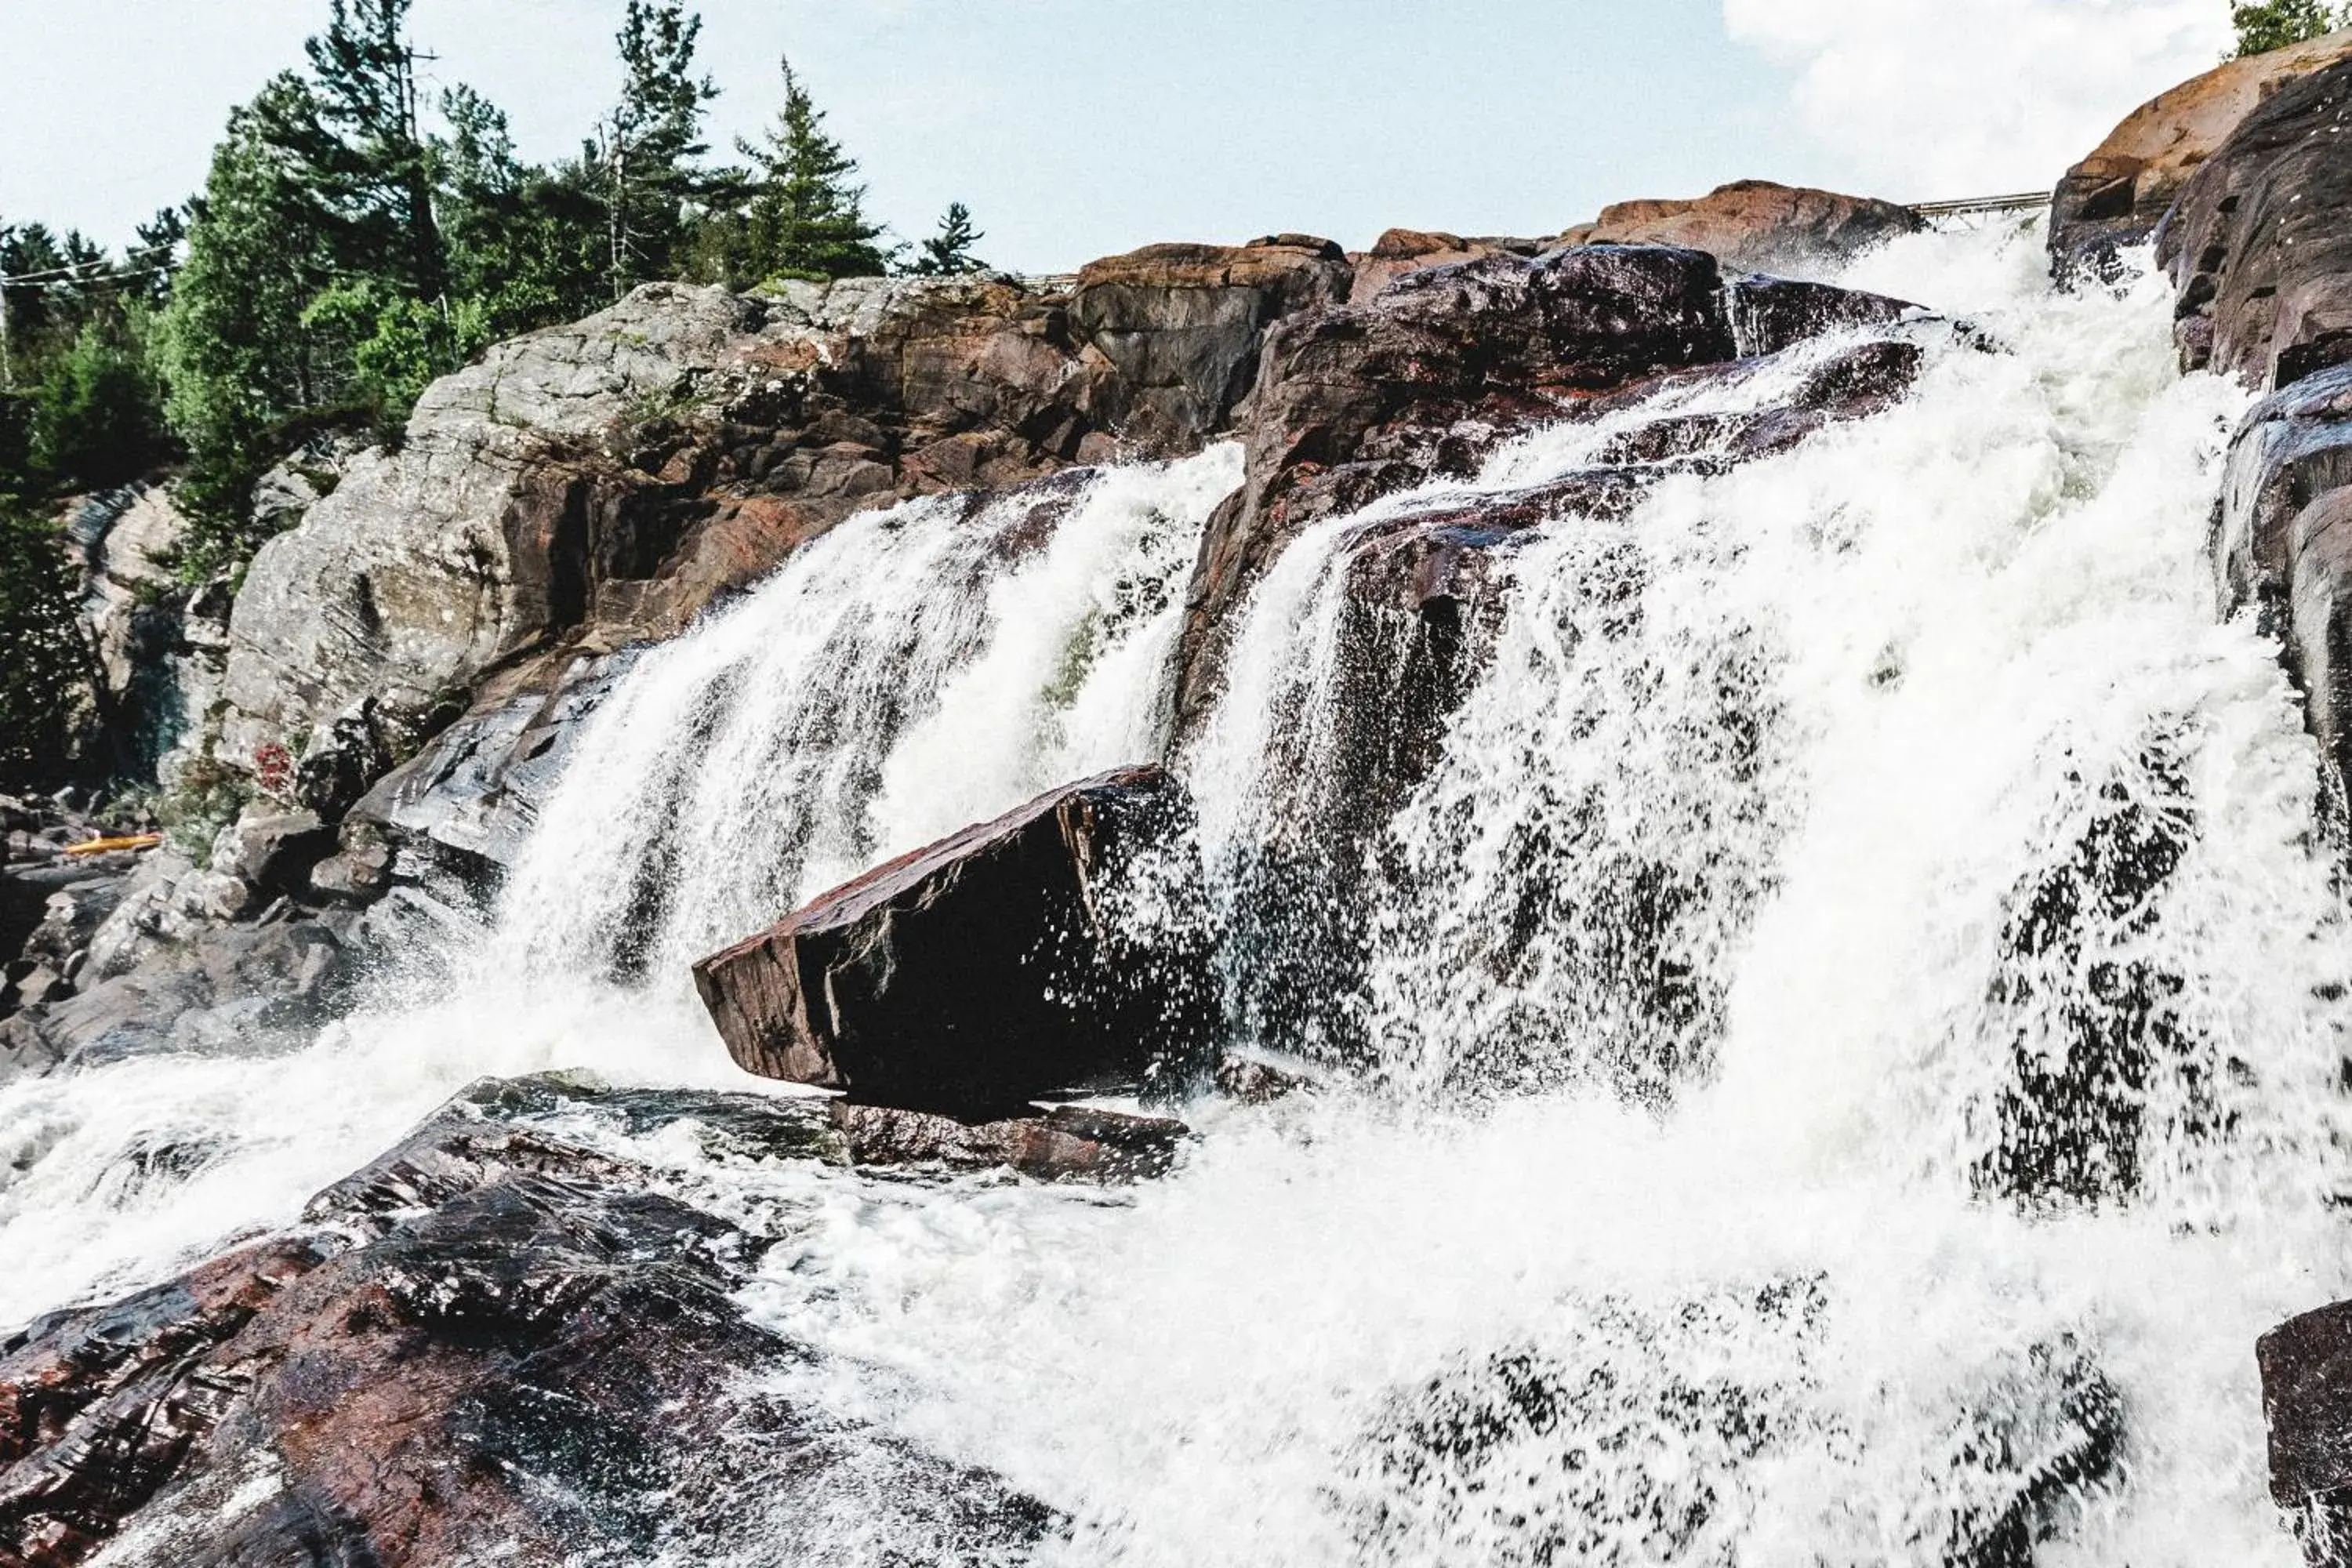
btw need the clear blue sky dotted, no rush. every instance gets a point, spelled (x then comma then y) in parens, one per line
(1077, 128)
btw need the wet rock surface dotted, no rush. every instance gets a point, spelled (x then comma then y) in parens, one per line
(1008, 962)
(477, 1350)
(2117, 196)
(2281, 545)
(1068, 1143)
(2306, 1367)
(2260, 240)
(1445, 364)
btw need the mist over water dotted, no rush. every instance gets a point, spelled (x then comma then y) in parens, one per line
(1839, 1045)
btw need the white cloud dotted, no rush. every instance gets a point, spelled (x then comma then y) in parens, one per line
(1931, 99)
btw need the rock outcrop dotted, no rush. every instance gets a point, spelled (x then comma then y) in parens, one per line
(2306, 1366)
(1399, 251)
(2260, 243)
(476, 1350)
(1756, 226)
(1444, 364)
(2284, 547)
(591, 485)
(2117, 195)
(1021, 957)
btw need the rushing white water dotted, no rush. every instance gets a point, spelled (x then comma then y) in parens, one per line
(907, 672)
(911, 672)
(1847, 1023)
(1904, 1256)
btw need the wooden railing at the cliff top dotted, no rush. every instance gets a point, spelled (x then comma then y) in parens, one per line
(2027, 201)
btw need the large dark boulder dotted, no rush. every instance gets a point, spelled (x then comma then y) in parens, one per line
(2306, 1365)
(2117, 195)
(476, 1351)
(1020, 957)
(2259, 241)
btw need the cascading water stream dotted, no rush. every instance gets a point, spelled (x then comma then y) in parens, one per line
(1845, 1018)
(1995, 1115)
(908, 671)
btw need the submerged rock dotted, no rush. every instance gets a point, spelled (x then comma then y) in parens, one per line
(2306, 1366)
(1068, 1143)
(1014, 960)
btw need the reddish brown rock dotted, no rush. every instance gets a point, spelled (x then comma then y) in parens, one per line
(2259, 241)
(480, 1355)
(999, 964)
(2119, 194)
(1179, 328)
(1755, 226)
(1069, 1144)
(1402, 250)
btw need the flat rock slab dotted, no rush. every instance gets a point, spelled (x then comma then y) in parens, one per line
(1006, 962)
(1069, 1144)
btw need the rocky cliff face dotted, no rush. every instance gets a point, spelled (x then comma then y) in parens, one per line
(598, 484)
(2117, 195)
(1756, 226)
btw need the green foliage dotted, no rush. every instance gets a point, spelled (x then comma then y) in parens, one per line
(397, 345)
(2270, 24)
(647, 147)
(236, 351)
(949, 252)
(796, 214)
(97, 417)
(353, 241)
(44, 663)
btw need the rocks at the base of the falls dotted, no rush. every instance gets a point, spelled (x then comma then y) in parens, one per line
(2116, 197)
(2307, 1368)
(1757, 225)
(2260, 240)
(1068, 1143)
(477, 1348)
(1049, 950)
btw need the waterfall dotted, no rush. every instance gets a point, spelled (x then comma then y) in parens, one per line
(1832, 994)
(1854, 1000)
(913, 671)
(910, 671)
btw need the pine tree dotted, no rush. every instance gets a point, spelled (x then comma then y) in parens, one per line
(804, 218)
(234, 348)
(44, 662)
(364, 154)
(647, 147)
(949, 252)
(2269, 25)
